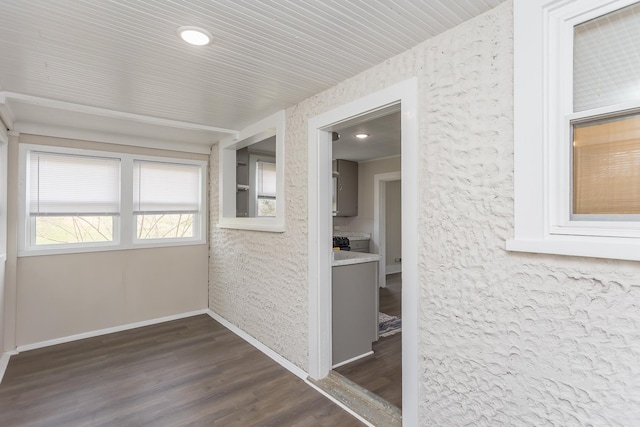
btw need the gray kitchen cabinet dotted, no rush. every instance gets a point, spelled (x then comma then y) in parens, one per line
(358, 245)
(354, 300)
(345, 188)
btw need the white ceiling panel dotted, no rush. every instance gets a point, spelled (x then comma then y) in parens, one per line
(125, 55)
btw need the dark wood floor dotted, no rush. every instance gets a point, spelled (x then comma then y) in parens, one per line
(381, 373)
(187, 372)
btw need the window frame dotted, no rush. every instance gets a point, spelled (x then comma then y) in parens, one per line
(543, 111)
(199, 218)
(270, 126)
(125, 223)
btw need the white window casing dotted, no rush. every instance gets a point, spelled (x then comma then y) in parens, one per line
(273, 125)
(543, 112)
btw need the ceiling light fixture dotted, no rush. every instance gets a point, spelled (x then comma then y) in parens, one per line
(195, 35)
(362, 135)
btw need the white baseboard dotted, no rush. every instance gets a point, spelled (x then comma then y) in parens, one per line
(353, 359)
(99, 332)
(4, 362)
(294, 369)
(393, 268)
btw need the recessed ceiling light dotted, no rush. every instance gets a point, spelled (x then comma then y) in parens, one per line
(195, 35)
(362, 135)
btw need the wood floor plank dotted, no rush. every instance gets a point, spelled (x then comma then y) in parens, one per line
(186, 372)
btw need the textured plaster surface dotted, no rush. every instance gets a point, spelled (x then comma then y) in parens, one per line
(258, 280)
(504, 338)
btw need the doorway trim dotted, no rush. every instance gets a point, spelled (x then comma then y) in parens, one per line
(379, 238)
(404, 93)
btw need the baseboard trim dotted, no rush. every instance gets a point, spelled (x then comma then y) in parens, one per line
(337, 402)
(393, 268)
(4, 362)
(353, 359)
(106, 331)
(294, 369)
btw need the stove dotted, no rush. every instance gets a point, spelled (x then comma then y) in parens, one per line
(342, 243)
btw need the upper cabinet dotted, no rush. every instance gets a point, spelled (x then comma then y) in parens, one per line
(345, 188)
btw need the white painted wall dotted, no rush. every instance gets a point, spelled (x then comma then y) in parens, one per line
(56, 296)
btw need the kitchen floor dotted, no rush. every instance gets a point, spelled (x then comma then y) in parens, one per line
(381, 373)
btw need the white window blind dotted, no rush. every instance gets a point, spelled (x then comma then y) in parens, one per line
(266, 179)
(72, 185)
(606, 67)
(160, 188)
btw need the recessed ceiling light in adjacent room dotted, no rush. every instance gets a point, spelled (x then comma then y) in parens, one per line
(195, 35)
(362, 135)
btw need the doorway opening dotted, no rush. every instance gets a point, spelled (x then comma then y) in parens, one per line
(366, 170)
(402, 96)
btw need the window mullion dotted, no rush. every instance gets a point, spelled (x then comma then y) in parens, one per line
(127, 222)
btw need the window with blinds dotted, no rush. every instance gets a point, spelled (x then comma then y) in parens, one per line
(606, 148)
(166, 199)
(72, 198)
(266, 188)
(606, 166)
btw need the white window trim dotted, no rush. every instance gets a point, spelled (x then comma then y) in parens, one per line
(272, 125)
(542, 166)
(124, 229)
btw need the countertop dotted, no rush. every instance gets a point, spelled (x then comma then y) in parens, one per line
(353, 235)
(348, 257)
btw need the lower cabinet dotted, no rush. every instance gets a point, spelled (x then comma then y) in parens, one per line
(354, 301)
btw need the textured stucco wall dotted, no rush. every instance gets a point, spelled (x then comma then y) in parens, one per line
(504, 338)
(258, 280)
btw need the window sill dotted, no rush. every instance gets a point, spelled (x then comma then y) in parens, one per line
(581, 246)
(107, 248)
(254, 224)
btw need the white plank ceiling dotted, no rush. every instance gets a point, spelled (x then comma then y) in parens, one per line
(125, 55)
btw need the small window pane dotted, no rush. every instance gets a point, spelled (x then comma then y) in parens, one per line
(606, 68)
(55, 230)
(69, 185)
(165, 187)
(266, 207)
(165, 226)
(266, 173)
(606, 166)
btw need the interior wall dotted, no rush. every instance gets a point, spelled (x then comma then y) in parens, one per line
(504, 338)
(62, 295)
(4, 142)
(393, 226)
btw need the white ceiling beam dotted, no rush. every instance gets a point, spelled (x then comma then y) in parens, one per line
(6, 115)
(101, 112)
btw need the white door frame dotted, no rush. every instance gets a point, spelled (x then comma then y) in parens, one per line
(320, 223)
(379, 238)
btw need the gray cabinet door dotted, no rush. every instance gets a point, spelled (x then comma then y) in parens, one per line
(354, 300)
(346, 188)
